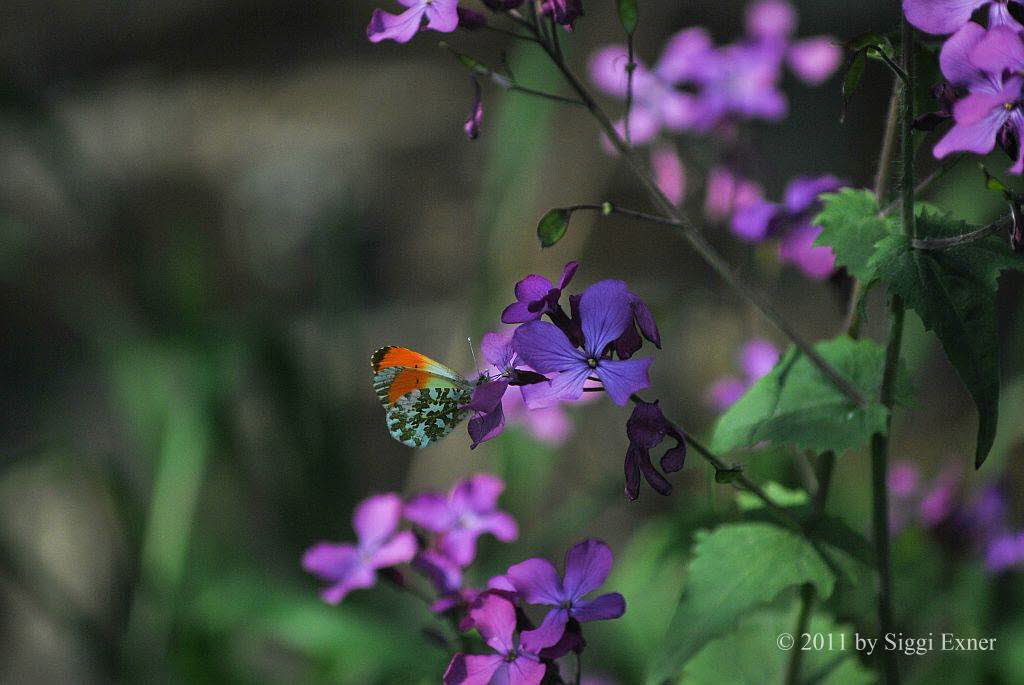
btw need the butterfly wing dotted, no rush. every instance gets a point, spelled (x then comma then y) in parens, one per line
(424, 399)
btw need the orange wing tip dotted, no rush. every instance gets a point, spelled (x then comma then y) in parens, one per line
(387, 357)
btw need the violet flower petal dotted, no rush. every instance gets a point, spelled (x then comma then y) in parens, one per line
(494, 617)
(473, 669)
(429, 511)
(398, 550)
(568, 271)
(1000, 49)
(487, 426)
(546, 349)
(622, 378)
(605, 312)
(612, 605)
(757, 359)
(940, 16)
(684, 56)
(770, 20)
(536, 581)
(487, 396)
(587, 566)
(814, 60)
(442, 15)
(645, 321)
(564, 387)
(548, 633)
(954, 58)
(376, 518)
(397, 27)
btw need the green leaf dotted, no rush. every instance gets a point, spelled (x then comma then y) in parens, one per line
(851, 226)
(736, 568)
(552, 226)
(852, 77)
(751, 655)
(627, 15)
(953, 291)
(795, 404)
(872, 43)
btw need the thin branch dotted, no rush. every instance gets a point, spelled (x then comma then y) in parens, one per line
(947, 166)
(953, 241)
(630, 68)
(510, 34)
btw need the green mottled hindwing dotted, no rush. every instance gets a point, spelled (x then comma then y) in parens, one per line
(428, 414)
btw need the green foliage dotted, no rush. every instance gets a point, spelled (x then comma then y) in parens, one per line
(953, 291)
(780, 494)
(751, 655)
(795, 404)
(627, 15)
(851, 225)
(552, 226)
(736, 568)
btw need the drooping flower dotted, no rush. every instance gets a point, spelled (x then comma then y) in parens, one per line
(488, 415)
(757, 358)
(587, 565)
(515, 662)
(988, 64)
(947, 16)
(441, 15)
(642, 324)
(605, 310)
(646, 428)
(471, 20)
(469, 510)
(349, 566)
(564, 12)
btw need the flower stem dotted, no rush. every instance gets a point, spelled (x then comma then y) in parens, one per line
(807, 596)
(579, 667)
(675, 218)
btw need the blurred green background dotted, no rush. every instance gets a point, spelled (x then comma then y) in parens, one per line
(213, 212)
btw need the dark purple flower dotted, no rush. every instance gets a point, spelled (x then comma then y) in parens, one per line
(564, 12)
(646, 428)
(470, 19)
(947, 16)
(489, 417)
(587, 565)
(464, 514)
(988, 64)
(442, 15)
(627, 344)
(476, 113)
(605, 310)
(515, 662)
(350, 567)
(536, 296)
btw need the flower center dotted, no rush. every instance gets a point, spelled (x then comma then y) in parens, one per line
(1010, 106)
(566, 604)
(512, 655)
(591, 362)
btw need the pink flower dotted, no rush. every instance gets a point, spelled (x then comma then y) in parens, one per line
(441, 15)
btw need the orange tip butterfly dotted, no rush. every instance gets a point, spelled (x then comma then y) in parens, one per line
(424, 399)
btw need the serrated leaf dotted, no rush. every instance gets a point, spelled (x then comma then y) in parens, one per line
(750, 655)
(851, 226)
(627, 15)
(552, 226)
(795, 404)
(736, 568)
(953, 291)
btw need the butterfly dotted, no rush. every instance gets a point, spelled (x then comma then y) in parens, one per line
(424, 399)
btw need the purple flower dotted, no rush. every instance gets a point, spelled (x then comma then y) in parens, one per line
(772, 23)
(536, 296)
(669, 173)
(657, 101)
(757, 358)
(476, 113)
(468, 511)
(904, 479)
(727, 193)
(514, 662)
(642, 324)
(946, 16)
(587, 565)
(442, 15)
(646, 428)
(354, 566)
(564, 12)
(489, 417)
(470, 19)
(988, 64)
(605, 310)
(1004, 552)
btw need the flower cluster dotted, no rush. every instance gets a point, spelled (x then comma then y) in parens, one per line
(453, 520)
(523, 654)
(756, 359)
(446, 16)
(960, 523)
(695, 85)
(449, 526)
(981, 65)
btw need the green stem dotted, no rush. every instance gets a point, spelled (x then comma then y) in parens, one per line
(796, 656)
(674, 217)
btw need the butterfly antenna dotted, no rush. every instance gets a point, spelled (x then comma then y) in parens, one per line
(472, 353)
